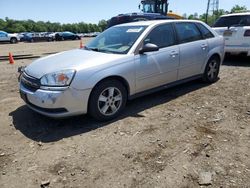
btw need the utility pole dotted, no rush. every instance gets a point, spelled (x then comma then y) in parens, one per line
(213, 7)
(208, 3)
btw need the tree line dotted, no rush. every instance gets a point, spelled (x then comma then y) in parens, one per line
(215, 15)
(18, 26)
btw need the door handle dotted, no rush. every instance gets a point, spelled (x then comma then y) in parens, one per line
(204, 46)
(174, 53)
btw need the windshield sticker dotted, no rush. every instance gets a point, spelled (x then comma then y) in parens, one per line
(136, 30)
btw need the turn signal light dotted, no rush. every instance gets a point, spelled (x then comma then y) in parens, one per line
(247, 33)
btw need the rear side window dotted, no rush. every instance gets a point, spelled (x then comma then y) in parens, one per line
(187, 32)
(229, 21)
(205, 32)
(245, 21)
(162, 36)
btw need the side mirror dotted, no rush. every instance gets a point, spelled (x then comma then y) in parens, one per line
(149, 47)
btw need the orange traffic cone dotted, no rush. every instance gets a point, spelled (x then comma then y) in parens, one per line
(81, 46)
(11, 59)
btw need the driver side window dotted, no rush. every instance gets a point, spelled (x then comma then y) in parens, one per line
(162, 36)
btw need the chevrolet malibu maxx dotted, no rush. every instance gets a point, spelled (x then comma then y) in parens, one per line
(123, 62)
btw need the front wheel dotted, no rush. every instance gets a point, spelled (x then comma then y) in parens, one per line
(107, 100)
(212, 69)
(13, 40)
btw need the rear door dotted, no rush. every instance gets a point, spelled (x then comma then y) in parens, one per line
(193, 49)
(154, 69)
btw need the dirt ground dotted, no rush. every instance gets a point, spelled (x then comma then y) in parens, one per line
(193, 135)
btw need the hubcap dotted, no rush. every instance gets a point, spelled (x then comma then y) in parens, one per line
(110, 101)
(213, 68)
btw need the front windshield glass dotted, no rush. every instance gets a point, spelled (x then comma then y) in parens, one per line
(118, 39)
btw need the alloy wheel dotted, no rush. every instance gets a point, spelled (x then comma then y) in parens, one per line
(212, 69)
(109, 101)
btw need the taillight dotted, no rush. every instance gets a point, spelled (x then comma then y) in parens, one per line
(247, 33)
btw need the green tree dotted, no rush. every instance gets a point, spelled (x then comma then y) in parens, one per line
(102, 25)
(2, 24)
(238, 8)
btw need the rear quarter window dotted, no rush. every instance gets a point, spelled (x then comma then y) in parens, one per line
(205, 32)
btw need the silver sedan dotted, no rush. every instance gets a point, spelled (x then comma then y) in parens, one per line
(123, 62)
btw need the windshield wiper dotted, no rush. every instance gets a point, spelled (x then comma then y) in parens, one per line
(93, 49)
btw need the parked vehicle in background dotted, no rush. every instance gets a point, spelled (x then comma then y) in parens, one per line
(66, 36)
(7, 37)
(52, 35)
(236, 30)
(123, 62)
(158, 6)
(37, 37)
(135, 17)
(21, 36)
(93, 34)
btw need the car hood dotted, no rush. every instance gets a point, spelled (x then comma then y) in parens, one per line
(74, 59)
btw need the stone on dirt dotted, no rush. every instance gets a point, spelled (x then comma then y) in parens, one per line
(45, 183)
(205, 178)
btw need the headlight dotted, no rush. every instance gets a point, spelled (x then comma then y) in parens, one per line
(60, 78)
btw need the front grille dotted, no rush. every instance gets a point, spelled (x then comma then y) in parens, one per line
(30, 82)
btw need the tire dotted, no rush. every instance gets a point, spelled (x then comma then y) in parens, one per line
(13, 40)
(107, 100)
(212, 69)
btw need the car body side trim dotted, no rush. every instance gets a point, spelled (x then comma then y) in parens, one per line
(165, 86)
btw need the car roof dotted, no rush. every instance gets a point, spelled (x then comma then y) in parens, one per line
(156, 22)
(237, 14)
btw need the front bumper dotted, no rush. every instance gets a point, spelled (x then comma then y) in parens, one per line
(56, 104)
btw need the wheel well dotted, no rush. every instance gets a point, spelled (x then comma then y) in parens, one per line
(119, 78)
(215, 56)
(13, 38)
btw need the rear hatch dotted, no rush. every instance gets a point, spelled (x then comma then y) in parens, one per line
(237, 36)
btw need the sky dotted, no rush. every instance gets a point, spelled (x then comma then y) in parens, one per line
(92, 11)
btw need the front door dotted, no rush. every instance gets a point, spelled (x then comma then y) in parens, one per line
(155, 69)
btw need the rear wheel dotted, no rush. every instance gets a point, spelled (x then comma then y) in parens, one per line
(107, 100)
(212, 69)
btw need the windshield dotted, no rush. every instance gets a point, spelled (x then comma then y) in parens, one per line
(116, 40)
(232, 21)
